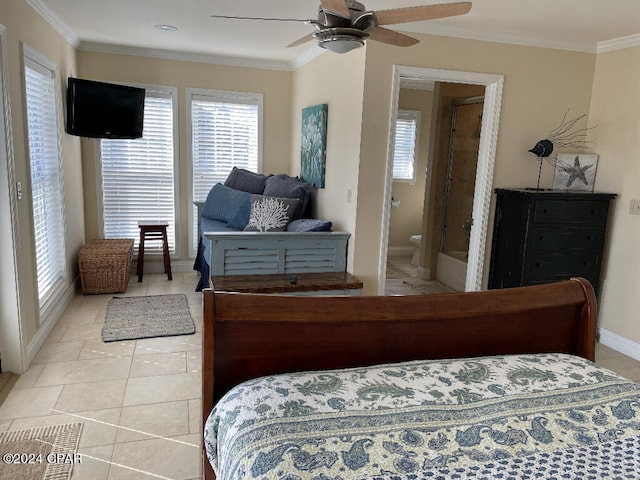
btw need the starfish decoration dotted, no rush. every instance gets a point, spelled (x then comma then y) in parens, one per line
(575, 172)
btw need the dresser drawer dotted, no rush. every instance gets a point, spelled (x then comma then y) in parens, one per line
(556, 266)
(587, 212)
(553, 239)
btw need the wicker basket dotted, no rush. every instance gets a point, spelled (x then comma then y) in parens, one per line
(105, 265)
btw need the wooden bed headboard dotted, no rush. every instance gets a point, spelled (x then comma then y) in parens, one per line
(251, 335)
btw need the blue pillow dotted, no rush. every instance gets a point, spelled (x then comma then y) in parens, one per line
(223, 203)
(246, 181)
(284, 186)
(309, 225)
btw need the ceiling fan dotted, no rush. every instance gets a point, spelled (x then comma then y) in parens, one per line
(343, 25)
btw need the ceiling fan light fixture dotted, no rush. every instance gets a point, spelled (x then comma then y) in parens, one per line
(339, 44)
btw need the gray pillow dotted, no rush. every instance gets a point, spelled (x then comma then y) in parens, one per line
(284, 186)
(245, 180)
(270, 214)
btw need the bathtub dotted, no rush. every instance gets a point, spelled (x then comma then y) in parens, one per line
(452, 269)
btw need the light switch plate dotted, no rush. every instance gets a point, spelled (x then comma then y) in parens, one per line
(634, 207)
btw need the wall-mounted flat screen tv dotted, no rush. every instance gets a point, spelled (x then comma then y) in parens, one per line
(104, 110)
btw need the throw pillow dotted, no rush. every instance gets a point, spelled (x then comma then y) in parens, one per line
(245, 180)
(284, 186)
(223, 202)
(270, 214)
(309, 225)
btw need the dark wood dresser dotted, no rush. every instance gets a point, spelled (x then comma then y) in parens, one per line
(542, 236)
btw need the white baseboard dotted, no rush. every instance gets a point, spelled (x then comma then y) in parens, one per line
(424, 273)
(619, 343)
(400, 251)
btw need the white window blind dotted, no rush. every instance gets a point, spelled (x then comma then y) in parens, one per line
(138, 176)
(225, 133)
(405, 146)
(45, 163)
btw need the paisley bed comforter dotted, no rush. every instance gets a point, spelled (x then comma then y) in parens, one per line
(521, 416)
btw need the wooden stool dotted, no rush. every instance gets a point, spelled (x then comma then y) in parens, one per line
(153, 231)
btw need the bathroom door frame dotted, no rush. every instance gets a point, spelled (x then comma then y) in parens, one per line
(484, 172)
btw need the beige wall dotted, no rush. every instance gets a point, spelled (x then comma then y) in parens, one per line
(406, 219)
(336, 80)
(23, 25)
(615, 110)
(274, 85)
(540, 84)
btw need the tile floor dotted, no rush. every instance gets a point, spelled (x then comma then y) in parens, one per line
(402, 279)
(139, 400)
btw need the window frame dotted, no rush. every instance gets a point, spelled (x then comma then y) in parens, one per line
(215, 95)
(173, 92)
(415, 116)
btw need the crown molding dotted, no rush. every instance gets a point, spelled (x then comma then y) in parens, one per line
(524, 41)
(198, 57)
(306, 57)
(619, 43)
(56, 22)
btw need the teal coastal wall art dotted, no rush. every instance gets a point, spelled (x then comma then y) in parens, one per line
(313, 151)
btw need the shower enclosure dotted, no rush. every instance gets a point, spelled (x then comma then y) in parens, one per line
(462, 161)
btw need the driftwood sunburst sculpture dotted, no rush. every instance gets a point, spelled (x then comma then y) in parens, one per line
(563, 136)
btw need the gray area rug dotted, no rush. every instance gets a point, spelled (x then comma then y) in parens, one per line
(48, 453)
(129, 318)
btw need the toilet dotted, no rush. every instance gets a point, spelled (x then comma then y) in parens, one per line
(416, 240)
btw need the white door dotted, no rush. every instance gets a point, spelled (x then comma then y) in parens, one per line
(11, 347)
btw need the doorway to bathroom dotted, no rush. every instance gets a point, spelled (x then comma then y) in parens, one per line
(454, 205)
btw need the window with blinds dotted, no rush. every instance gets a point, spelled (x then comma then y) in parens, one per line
(45, 164)
(225, 133)
(405, 145)
(138, 176)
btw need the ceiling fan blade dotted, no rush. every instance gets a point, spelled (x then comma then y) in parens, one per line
(302, 40)
(385, 35)
(232, 17)
(337, 7)
(425, 12)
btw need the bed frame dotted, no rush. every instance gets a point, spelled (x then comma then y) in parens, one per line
(250, 335)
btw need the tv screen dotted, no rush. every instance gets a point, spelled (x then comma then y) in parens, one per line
(104, 110)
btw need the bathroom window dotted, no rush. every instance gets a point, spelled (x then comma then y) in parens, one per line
(405, 145)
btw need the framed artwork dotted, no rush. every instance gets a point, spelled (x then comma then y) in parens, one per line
(313, 147)
(575, 171)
